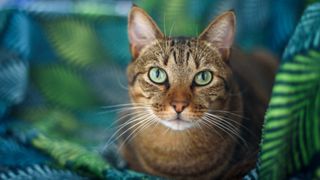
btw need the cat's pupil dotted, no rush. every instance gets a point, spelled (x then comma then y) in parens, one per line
(157, 73)
(203, 76)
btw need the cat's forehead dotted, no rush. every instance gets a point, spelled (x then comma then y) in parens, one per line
(186, 51)
(181, 41)
(180, 50)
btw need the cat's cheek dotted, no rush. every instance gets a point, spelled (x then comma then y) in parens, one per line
(219, 103)
(138, 96)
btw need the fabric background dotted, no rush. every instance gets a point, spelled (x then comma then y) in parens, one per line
(63, 62)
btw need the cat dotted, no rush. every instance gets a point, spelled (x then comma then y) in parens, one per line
(196, 107)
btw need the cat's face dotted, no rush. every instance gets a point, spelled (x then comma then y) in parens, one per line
(179, 81)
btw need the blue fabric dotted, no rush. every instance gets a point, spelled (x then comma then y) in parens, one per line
(61, 61)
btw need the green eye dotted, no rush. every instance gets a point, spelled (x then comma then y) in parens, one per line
(203, 78)
(157, 75)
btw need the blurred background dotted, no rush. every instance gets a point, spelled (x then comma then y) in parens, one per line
(62, 62)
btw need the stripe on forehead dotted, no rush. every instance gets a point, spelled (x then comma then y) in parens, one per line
(180, 50)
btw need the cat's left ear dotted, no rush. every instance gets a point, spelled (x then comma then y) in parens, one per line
(142, 30)
(220, 33)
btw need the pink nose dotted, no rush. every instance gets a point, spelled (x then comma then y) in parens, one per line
(179, 106)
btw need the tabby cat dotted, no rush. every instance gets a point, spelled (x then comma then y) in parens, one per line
(196, 107)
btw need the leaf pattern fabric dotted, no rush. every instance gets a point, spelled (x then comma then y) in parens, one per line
(291, 140)
(38, 172)
(61, 61)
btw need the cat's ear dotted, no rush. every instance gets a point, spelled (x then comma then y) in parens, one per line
(220, 32)
(142, 30)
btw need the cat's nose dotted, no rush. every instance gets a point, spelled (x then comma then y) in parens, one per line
(179, 106)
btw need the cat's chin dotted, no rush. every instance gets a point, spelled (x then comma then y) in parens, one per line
(177, 124)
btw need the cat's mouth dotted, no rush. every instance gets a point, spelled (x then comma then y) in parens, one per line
(177, 124)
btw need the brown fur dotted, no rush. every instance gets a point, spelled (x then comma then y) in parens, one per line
(241, 85)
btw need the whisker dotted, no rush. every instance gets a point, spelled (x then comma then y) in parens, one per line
(164, 24)
(171, 29)
(230, 113)
(229, 127)
(130, 121)
(122, 109)
(123, 117)
(221, 118)
(214, 123)
(135, 118)
(140, 121)
(123, 105)
(241, 125)
(127, 115)
(226, 119)
(146, 123)
(208, 126)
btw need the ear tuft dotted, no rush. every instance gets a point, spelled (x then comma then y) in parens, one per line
(221, 32)
(142, 30)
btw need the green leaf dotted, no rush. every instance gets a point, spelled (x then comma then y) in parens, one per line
(75, 41)
(71, 155)
(63, 87)
(292, 115)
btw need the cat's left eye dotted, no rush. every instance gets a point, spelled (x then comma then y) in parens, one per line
(203, 78)
(157, 75)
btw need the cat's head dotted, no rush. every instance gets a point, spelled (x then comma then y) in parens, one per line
(178, 81)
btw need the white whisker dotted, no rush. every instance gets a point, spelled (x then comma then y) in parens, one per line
(125, 104)
(172, 26)
(227, 126)
(133, 119)
(208, 126)
(145, 123)
(215, 124)
(238, 123)
(123, 109)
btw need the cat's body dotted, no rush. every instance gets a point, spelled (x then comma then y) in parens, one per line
(190, 126)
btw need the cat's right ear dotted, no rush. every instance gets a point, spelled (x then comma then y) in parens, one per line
(221, 32)
(142, 30)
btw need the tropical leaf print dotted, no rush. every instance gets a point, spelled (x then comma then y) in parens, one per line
(63, 86)
(38, 172)
(291, 138)
(75, 41)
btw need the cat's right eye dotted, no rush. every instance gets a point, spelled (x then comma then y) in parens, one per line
(203, 78)
(157, 75)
